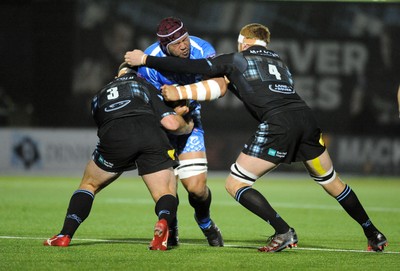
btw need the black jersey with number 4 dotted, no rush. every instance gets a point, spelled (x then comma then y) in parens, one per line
(127, 96)
(257, 76)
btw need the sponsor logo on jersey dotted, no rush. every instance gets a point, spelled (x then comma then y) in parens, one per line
(264, 52)
(117, 105)
(284, 89)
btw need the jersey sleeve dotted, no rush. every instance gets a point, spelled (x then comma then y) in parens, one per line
(179, 65)
(218, 66)
(159, 107)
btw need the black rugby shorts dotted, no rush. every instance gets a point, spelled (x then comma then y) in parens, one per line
(134, 142)
(287, 137)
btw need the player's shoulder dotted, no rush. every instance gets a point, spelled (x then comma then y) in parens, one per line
(200, 42)
(154, 50)
(225, 60)
(201, 48)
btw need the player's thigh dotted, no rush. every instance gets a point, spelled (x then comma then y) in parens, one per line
(95, 178)
(320, 165)
(255, 165)
(192, 155)
(245, 172)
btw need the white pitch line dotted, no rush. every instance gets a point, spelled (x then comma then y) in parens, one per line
(184, 243)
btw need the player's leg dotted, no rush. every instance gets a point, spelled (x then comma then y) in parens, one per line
(162, 187)
(244, 172)
(94, 179)
(173, 239)
(322, 171)
(160, 183)
(192, 171)
(155, 165)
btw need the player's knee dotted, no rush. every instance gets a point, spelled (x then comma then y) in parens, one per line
(325, 178)
(195, 186)
(231, 185)
(191, 167)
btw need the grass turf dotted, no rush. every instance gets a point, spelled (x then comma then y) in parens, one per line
(119, 229)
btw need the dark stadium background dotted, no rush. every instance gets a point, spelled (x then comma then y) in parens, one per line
(54, 55)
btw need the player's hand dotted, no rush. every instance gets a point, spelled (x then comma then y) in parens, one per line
(170, 93)
(135, 57)
(181, 110)
(190, 126)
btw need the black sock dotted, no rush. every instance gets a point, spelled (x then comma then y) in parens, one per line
(353, 207)
(256, 203)
(201, 208)
(174, 223)
(78, 210)
(166, 208)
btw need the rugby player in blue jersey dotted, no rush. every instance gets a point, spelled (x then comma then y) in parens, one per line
(174, 40)
(287, 132)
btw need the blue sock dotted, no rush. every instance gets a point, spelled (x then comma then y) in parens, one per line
(204, 223)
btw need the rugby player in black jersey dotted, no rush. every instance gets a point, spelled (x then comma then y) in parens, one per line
(131, 118)
(287, 132)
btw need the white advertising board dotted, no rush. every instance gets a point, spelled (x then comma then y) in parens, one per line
(45, 151)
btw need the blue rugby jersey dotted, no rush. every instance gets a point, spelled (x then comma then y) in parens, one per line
(199, 48)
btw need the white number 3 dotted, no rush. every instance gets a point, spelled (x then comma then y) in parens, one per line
(113, 93)
(274, 71)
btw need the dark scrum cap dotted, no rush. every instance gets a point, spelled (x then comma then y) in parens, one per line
(169, 30)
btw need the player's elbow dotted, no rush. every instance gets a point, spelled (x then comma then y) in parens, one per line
(170, 123)
(223, 91)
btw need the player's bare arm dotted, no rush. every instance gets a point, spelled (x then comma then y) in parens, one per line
(206, 90)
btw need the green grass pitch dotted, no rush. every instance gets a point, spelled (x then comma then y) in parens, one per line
(119, 229)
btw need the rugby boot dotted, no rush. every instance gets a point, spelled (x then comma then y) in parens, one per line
(160, 238)
(377, 242)
(278, 242)
(58, 241)
(213, 234)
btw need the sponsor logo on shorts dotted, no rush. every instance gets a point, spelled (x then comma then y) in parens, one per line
(276, 153)
(104, 162)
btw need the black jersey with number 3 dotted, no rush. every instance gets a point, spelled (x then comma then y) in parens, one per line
(127, 96)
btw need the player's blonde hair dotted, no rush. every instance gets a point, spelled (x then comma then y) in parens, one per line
(256, 31)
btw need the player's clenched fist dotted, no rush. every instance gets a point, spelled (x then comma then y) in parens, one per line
(135, 57)
(170, 93)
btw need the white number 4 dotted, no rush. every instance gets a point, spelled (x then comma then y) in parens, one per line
(113, 93)
(274, 71)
